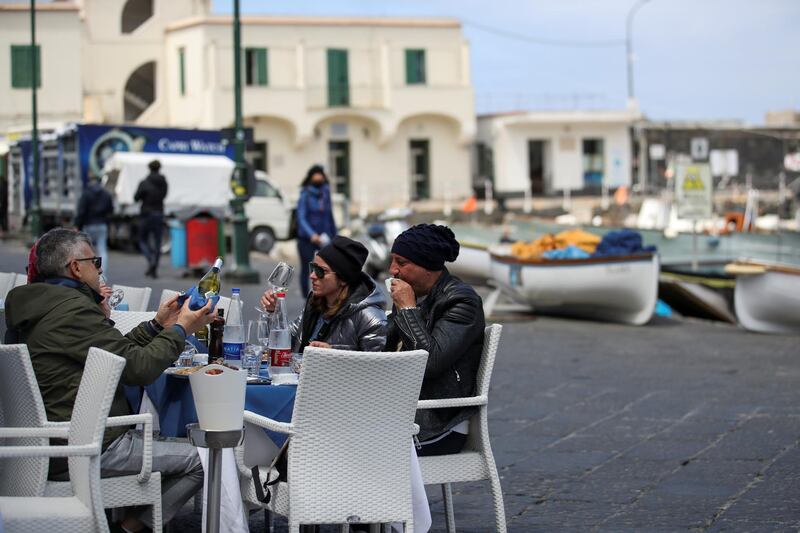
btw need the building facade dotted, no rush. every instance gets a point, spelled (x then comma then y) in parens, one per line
(548, 152)
(385, 104)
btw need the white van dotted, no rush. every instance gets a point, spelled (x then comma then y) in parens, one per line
(198, 181)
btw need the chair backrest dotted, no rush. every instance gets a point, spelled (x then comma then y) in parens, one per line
(491, 340)
(353, 418)
(101, 375)
(21, 406)
(125, 321)
(20, 280)
(166, 294)
(7, 282)
(138, 298)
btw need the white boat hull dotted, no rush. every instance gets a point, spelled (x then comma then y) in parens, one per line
(769, 302)
(623, 290)
(472, 264)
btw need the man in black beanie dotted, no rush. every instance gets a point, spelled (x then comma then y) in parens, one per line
(437, 312)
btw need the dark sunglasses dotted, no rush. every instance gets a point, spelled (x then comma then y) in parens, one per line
(96, 261)
(317, 270)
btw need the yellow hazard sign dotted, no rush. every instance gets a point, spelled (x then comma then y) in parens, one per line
(693, 188)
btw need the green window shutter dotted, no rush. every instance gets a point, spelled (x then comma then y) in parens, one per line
(338, 79)
(415, 66)
(261, 65)
(21, 66)
(182, 70)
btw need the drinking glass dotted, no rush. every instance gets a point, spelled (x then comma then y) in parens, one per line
(116, 296)
(297, 362)
(281, 276)
(186, 358)
(258, 331)
(251, 359)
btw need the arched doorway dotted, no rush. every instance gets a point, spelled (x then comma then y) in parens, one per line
(140, 91)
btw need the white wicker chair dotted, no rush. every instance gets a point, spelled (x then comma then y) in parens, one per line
(351, 429)
(21, 406)
(8, 281)
(166, 294)
(84, 434)
(138, 298)
(475, 462)
(125, 321)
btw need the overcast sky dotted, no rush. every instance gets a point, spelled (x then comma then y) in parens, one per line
(695, 59)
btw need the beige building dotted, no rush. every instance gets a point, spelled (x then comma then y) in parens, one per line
(548, 152)
(384, 103)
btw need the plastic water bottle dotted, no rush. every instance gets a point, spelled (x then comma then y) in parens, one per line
(233, 336)
(280, 340)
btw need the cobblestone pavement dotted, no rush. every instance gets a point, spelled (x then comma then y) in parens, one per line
(677, 425)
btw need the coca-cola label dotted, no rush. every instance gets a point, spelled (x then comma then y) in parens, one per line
(279, 357)
(233, 350)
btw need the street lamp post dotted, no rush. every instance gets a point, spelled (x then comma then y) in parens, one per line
(629, 47)
(242, 271)
(36, 213)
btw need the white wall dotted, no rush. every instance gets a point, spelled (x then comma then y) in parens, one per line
(564, 145)
(59, 97)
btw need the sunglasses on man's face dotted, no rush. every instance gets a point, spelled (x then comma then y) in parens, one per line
(96, 261)
(317, 270)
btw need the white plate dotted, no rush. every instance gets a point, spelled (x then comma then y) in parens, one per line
(173, 371)
(285, 379)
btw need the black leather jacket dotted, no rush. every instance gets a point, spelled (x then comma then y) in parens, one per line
(151, 192)
(449, 324)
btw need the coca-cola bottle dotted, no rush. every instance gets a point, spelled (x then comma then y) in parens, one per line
(280, 340)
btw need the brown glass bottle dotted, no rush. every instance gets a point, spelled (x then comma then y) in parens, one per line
(215, 338)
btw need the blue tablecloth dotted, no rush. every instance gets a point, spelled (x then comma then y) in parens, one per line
(172, 398)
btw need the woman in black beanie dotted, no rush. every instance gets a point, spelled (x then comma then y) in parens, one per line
(345, 307)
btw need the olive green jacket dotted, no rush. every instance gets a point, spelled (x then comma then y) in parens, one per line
(59, 320)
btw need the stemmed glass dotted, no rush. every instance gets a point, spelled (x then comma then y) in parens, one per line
(117, 295)
(279, 281)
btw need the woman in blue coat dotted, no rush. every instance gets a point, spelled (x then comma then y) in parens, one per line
(315, 225)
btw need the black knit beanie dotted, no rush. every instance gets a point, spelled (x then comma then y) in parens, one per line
(427, 245)
(346, 257)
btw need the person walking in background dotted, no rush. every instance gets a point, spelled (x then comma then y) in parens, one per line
(94, 214)
(151, 192)
(315, 225)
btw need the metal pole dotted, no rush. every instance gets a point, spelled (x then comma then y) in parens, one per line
(242, 271)
(629, 46)
(36, 220)
(214, 489)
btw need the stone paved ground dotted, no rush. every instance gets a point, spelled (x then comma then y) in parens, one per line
(678, 425)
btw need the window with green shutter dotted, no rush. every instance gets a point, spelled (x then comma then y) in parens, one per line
(338, 78)
(182, 70)
(22, 66)
(256, 66)
(415, 67)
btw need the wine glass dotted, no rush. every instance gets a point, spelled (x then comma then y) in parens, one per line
(279, 281)
(281, 276)
(117, 295)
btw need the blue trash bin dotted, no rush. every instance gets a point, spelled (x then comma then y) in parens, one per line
(177, 233)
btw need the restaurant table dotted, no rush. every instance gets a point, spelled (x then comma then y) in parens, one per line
(170, 401)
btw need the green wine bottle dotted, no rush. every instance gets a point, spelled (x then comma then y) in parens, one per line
(209, 286)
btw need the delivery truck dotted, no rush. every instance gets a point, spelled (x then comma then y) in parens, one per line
(198, 166)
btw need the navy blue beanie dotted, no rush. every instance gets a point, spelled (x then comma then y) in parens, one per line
(427, 245)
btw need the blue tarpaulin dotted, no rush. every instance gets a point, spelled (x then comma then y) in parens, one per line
(622, 242)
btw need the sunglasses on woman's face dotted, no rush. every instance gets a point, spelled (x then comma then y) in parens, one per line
(96, 261)
(317, 270)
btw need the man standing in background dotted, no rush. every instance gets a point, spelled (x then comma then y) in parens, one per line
(94, 213)
(151, 192)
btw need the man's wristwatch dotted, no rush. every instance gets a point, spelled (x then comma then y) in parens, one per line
(158, 327)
